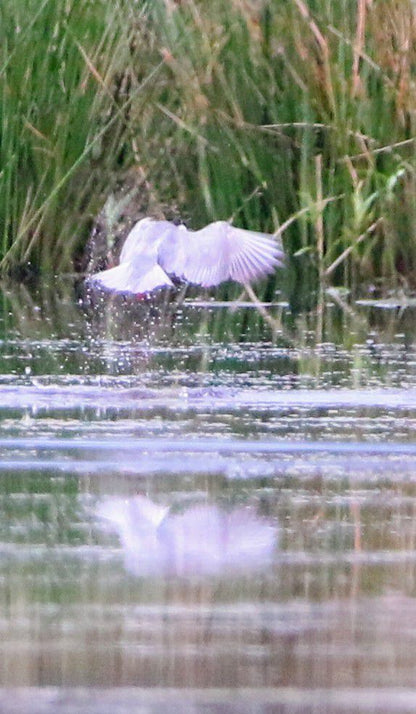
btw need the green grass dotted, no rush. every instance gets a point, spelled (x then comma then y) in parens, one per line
(253, 110)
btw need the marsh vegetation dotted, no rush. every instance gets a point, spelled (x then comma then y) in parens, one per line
(265, 111)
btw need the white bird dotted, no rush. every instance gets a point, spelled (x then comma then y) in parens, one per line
(202, 539)
(155, 250)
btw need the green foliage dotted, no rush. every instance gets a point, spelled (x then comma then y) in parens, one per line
(257, 111)
(62, 123)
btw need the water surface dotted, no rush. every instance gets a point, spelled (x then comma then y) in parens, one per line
(276, 472)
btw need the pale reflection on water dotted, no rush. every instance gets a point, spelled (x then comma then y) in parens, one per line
(206, 525)
(202, 539)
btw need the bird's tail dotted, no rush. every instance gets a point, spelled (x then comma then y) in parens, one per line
(125, 278)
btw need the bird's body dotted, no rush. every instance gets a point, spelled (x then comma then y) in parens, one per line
(155, 250)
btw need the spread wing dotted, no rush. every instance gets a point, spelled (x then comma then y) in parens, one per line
(252, 255)
(220, 252)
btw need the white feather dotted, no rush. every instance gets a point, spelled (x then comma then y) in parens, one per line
(156, 249)
(126, 278)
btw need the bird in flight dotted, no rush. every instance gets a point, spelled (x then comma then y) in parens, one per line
(157, 251)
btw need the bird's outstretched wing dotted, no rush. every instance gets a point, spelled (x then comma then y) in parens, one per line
(220, 252)
(252, 254)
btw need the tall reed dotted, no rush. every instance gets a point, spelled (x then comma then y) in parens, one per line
(63, 117)
(256, 110)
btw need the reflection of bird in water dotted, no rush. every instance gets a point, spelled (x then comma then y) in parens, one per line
(203, 539)
(155, 250)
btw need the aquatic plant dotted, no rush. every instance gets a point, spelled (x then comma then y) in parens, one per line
(256, 111)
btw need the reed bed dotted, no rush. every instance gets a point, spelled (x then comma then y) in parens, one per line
(263, 111)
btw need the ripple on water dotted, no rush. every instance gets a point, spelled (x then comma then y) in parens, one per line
(317, 441)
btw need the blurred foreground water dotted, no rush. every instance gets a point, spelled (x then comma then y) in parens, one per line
(195, 517)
